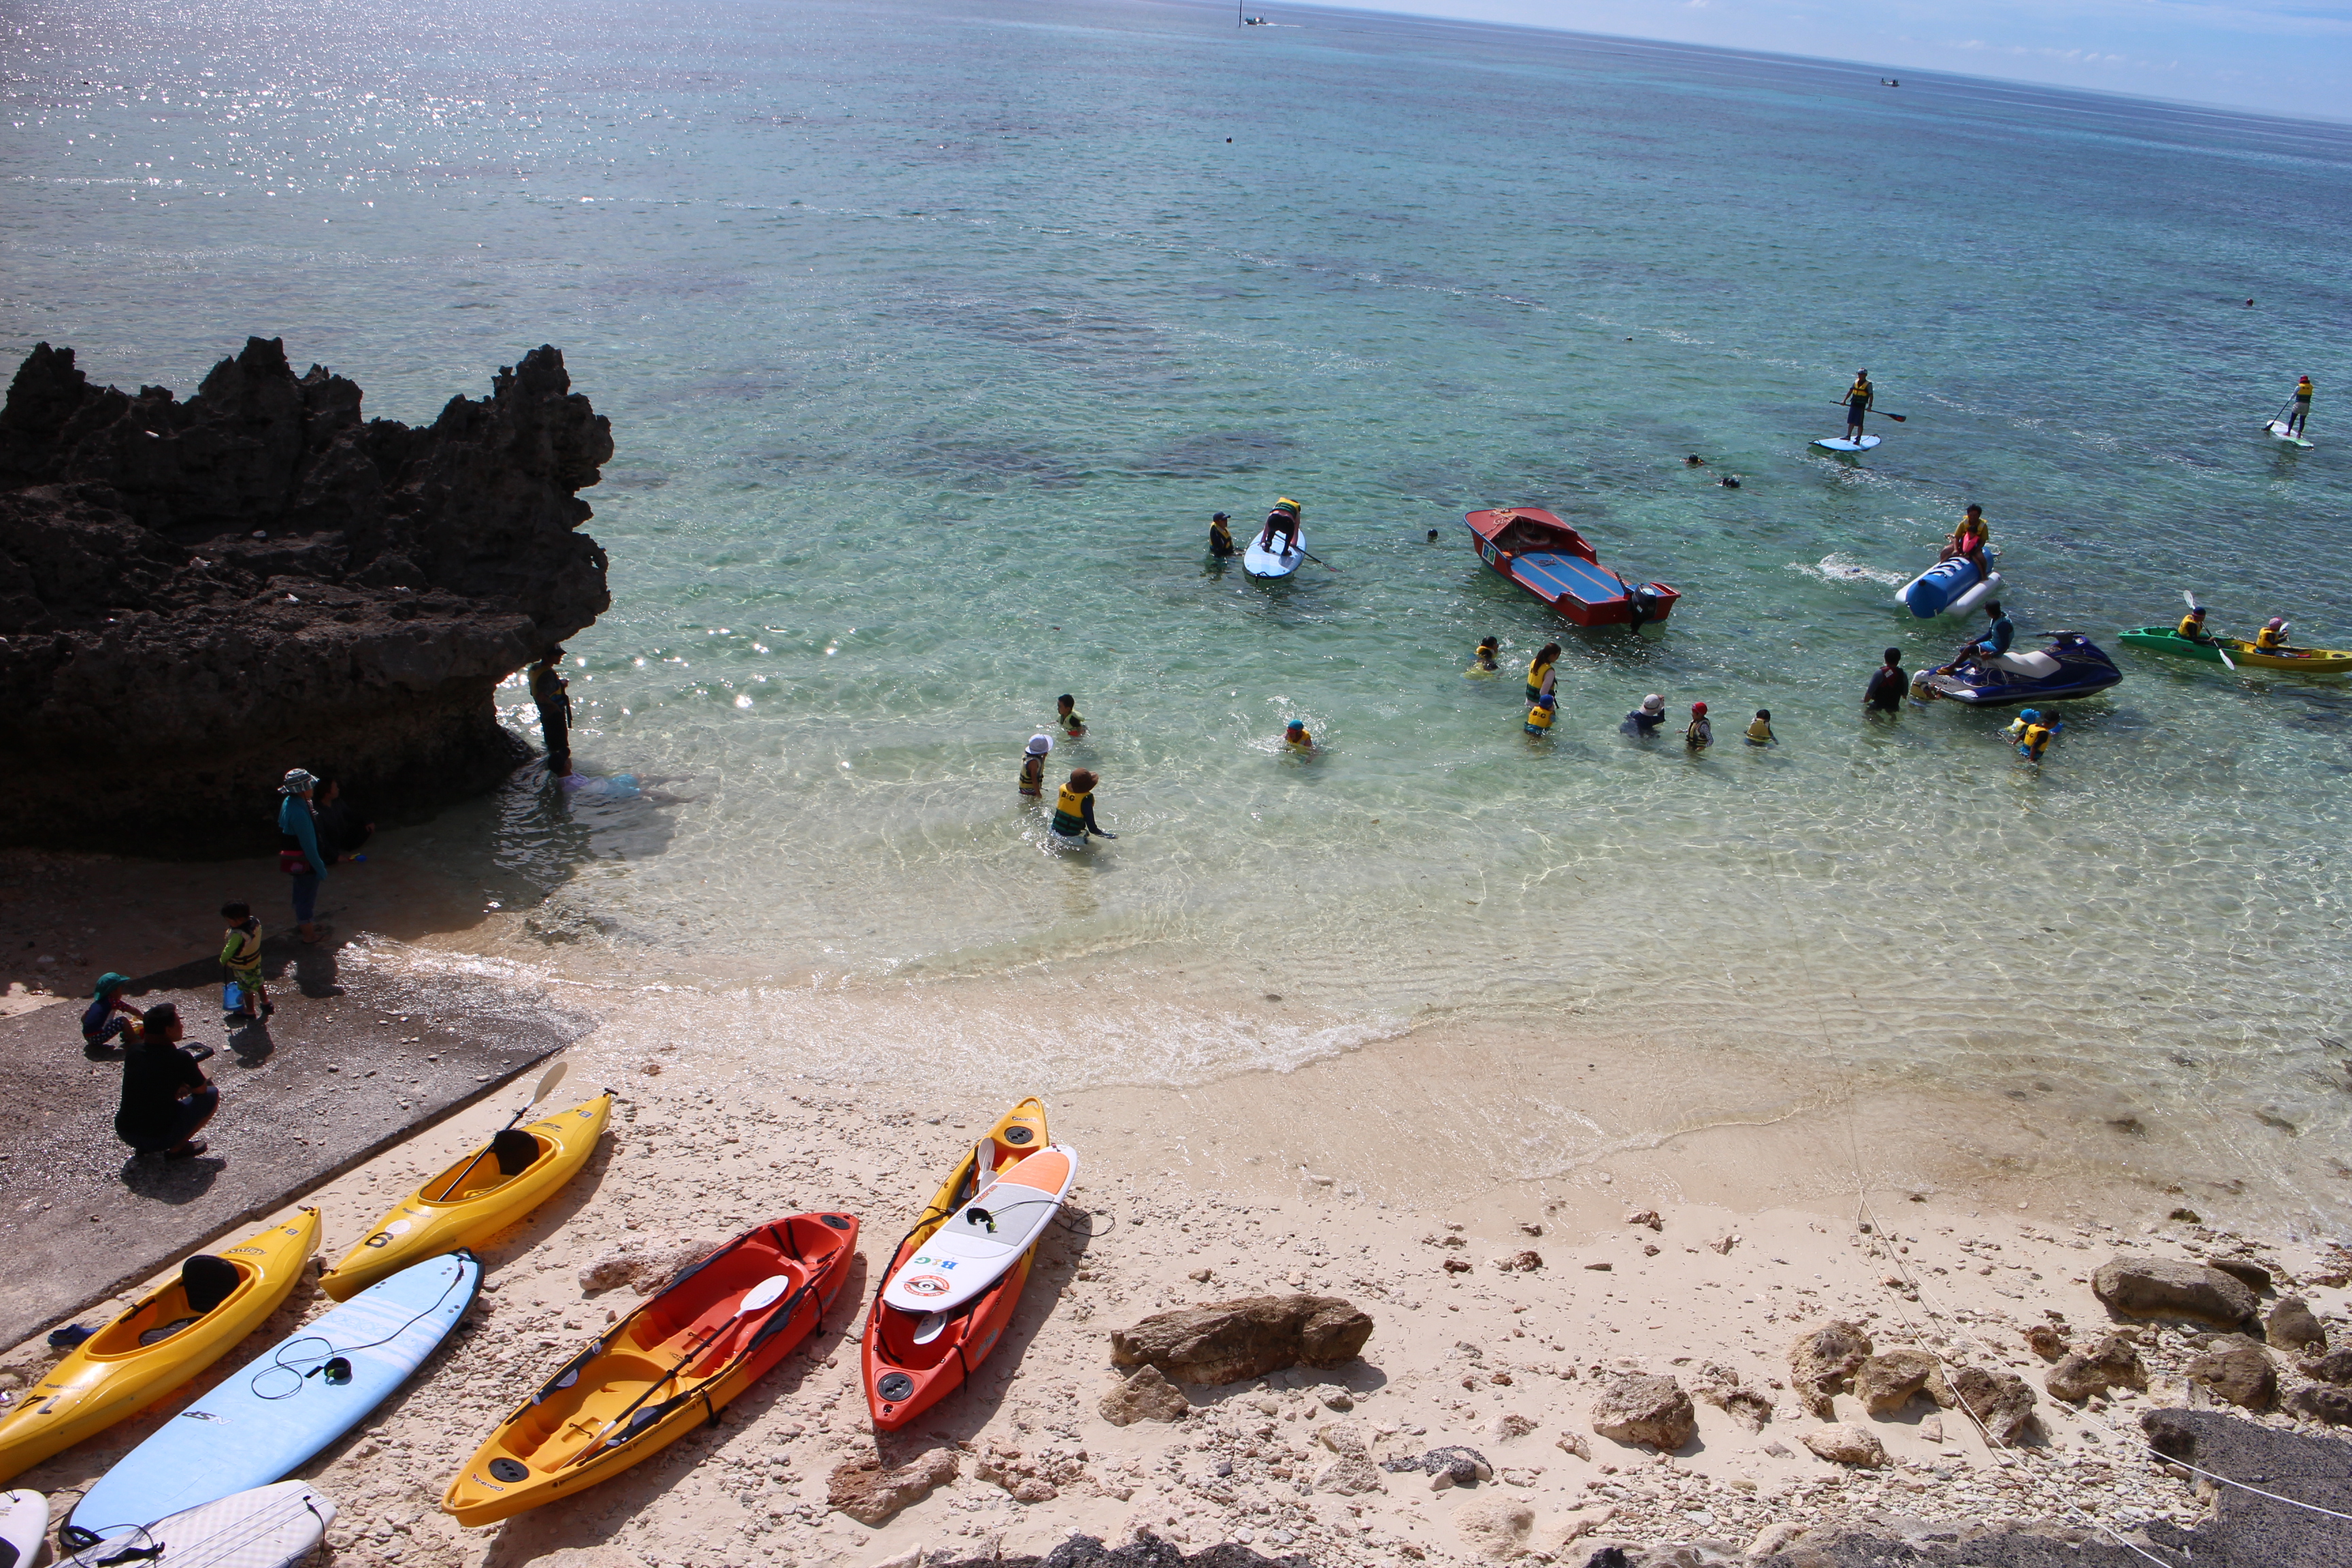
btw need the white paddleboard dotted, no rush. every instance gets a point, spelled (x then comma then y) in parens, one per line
(269, 1527)
(23, 1520)
(2278, 428)
(1840, 443)
(1260, 562)
(985, 1237)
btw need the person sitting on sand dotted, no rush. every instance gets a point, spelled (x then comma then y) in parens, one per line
(1220, 536)
(166, 1096)
(1488, 657)
(1698, 734)
(1282, 520)
(1887, 684)
(1295, 736)
(1759, 730)
(1968, 541)
(108, 1015)
(1065, 714)
(2272, 639)
(2192, 626)
(1032, 766)
(1074, 810)
(1645, 721)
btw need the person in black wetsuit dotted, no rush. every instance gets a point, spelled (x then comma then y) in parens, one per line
(553, 694)
(1887, 684)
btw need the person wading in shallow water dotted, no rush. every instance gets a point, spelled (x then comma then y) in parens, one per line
(553, 694)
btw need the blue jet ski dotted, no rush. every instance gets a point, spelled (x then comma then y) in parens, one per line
(2069, 667)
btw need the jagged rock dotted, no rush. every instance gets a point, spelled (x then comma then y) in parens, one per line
(2000, 1401)
(1349, 1475)
(1146, 1396)
(2236, 1369)
(1343, 1439)
(1511, 1424)
(2322, 1402)
(2113, 1362)
(1574, 1443)
(871, 1494)
(1888, 1381)
(1526, 1261)
(1774, 1536)
(2292, 1326)
(1647, 1216)
(2253, 1275)
(2046, 1341)
(1496, 1529)
(1653, 1410)
(2335, 1366)
(1820, 1362)
(1458, 1466)
(2169, 1287)
(611, 1271)
(258, 578)
(1720, 1387)
(1845, 1444)
(585, 1557)
(1229, 1340)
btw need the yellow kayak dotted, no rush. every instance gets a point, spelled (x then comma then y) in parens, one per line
(476, 1198)
(171, 1333)
(2310, 660)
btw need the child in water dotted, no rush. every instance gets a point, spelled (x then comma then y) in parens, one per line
(1065, 714)
(1032, 766)
(1760, 734)
(1648, 719)
(2034, 733)
(1699, 734)
(1540, 715)
(1295, 736)
(1489, 656)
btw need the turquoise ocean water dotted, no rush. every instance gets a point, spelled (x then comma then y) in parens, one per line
(931, 334)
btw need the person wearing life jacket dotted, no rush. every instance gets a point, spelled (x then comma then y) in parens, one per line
(1295, 736)
(1968, 541)
(2192, 626)
(1541, 712)
(1539, 671)
(1282, 520)
(2272, 639)
(1699, 735)
(1074, 810)
(1221, 537)
(1759, 730)
(1857, 404)
(2035, 731)
(1646, 721)
(2302, 408)
(1488, 658)
(1032, 766)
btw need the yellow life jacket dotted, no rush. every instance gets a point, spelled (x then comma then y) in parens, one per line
(2269, 641)
(1536, 673)
(1070, 812)
(1539, 718)
(1033, 777)
(242, 951)
(1760, 732)
(2035, 740)
(1861, 390)
(2302, 389)
(2191, 628)
(1302, 741)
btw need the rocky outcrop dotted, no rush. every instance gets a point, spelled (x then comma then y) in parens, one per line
(2113, 1362)
(1229, 1340)
(2238, 1370)
(2172, 1288)
(1653, 1410)
(1146, 1396)
(1886, 1381)
(258, 578)
(2293, 1326)
(1820, 1362)
(1842, 1443)
(871, 1493)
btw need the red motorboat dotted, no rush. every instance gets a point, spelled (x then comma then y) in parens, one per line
(1551, 560)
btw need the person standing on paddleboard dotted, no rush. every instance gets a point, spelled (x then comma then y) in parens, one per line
(1857, 404)
(2302, 408)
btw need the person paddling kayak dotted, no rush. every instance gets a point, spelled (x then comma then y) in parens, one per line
(1857, 404)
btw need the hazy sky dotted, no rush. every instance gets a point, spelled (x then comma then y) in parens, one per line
(2277, 55)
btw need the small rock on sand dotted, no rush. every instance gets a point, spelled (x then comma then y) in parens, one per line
(1453, 1465)
(1511, 1424)
(2000, 1400)
(2253, 1275)
(1888, 1381)
(1526, 1261)
(1574, 1443)
(1229, 1340)
(2236, 1369)
(1494, 1529)
(2292, 1326)
(2322, 1402)
(2170, 1288)
(871, 1494)
(2113, 1362)
(1642, 1409)
(1773, 1537)
(1146, 1396)
(1846, 1444)
(2047, 1341)
(1820, 1362)
(1647, 1216)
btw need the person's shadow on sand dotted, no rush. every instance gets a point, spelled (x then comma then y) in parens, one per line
(172, 1182)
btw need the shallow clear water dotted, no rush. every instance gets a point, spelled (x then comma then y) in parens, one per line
(932, 334)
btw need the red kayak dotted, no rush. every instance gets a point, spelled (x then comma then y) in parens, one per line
(1551, 560)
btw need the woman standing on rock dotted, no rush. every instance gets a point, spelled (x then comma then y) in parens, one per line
(298, 855)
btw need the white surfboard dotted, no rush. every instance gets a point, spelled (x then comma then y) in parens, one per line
(985, 1237)
(269, 1527)
(2278, 428)
(1260, 562)
(1840, 443)
(23, 1520)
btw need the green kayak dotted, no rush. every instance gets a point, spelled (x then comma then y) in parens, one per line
(2310, 661)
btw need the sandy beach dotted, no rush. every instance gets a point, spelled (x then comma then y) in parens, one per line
(1504, 1306)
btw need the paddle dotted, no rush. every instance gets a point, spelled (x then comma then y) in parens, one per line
(757, 1299)
(1320, 561)
(2191, 600)
(1882, 413)
(554, 1075)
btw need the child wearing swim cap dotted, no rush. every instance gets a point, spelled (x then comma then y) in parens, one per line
(1699, 735)
(1296, 737)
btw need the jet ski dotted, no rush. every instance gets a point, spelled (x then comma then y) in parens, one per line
(2070, 666)
(1950, 587)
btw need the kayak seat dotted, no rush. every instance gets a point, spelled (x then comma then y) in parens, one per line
(1561, 576)
(206, 1281)
(515, 1150)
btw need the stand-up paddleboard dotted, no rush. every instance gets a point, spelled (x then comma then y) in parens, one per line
(271, 1527)
(2278, 428)
(268, 1417)
(1262, 563)
(23, 1520)
(1840, 443)
(983, 1239)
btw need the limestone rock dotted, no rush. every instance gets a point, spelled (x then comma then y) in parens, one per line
(2335, 1366)
(1820, 1362)
(2322, 1402)
(2113, 1362)
(2170, 1288)
(1647, 1216)
(2000, 1401)
(1773, 1537)
(1146, 1396)
(2293, 1326)
(1455, 1465)
(612, 1270)
(1510, 1424)
(1574, 1443)
(662, 1265)
(2046, 1341)
(1349, 1475)
(1639, 1409)
(869, 1493)
(1343, 1439)
(1524, 1261)
(1846, 1444)
(585, 1557)
(257, 577)
(1888, 1381)
(1496, 1529)
(2235, 1369)
(1229, 1340)
(1720, 1387)
(1576, 1526)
